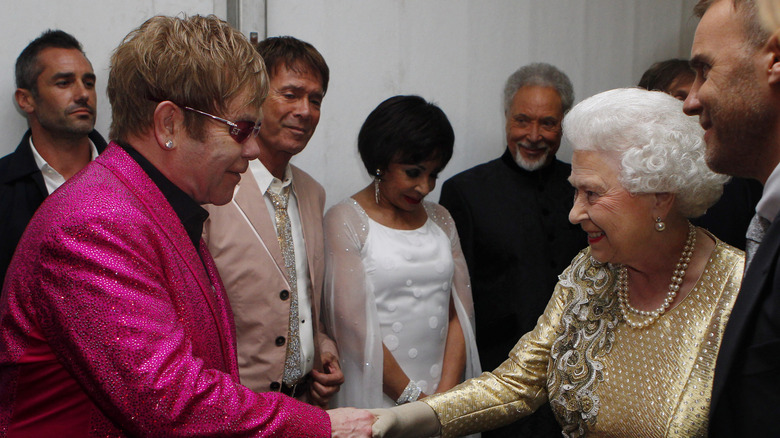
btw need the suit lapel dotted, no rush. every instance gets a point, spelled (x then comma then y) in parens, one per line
(251, 201)
(22, 164)
(753, 284)
(306, 210)
(222, 311)
(134, 177)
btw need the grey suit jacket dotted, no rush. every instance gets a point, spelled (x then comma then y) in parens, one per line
(252, 270)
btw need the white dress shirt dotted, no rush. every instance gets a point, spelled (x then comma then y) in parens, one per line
(51, 177)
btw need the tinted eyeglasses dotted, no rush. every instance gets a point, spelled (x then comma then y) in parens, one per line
(239, 131)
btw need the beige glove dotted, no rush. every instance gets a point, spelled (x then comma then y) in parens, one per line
(412, 420)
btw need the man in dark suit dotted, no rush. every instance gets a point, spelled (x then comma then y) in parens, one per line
(512, 218)
(736, 94)
(56, 89)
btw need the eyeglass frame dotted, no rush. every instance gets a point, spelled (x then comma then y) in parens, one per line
(234, 128)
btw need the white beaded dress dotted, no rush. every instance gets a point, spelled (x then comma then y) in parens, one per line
(384, 285)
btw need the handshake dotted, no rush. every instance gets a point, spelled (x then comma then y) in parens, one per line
(415, 419)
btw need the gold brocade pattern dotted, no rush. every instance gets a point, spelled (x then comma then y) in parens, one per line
(603, 377)
(585, 336)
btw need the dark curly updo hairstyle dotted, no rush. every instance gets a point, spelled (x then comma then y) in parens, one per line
(407, 130)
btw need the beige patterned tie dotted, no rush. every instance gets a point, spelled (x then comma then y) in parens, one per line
(292, 364)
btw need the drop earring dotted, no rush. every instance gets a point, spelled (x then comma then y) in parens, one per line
(377, 178)
(659, 224)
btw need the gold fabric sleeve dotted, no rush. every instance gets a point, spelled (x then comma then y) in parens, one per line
(513, 390)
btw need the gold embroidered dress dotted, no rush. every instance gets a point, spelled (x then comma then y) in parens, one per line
(603, 377)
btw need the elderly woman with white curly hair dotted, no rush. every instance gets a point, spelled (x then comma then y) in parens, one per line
(628, 342)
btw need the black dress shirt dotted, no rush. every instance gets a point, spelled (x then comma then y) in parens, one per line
(190, 213)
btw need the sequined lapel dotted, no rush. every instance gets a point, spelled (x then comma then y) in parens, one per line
(128, 171)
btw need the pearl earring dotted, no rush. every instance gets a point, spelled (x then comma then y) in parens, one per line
(659, 224)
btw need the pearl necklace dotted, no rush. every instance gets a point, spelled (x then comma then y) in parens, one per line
(650, 316)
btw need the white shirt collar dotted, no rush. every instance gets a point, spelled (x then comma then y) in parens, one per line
(51, 176)
(41, 162)
(266, 181)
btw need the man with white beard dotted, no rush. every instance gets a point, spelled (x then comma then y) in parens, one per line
(512, 218)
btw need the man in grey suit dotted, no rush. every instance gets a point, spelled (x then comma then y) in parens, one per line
(268, 242)
(736, 95)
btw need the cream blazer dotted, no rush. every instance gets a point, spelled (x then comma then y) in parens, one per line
(252, 270)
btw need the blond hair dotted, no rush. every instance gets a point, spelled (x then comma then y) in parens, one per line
(195, 61)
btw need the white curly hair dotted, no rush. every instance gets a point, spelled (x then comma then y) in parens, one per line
(660, 148)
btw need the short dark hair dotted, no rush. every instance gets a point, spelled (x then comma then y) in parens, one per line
(405, 129)
(27, 67)
(295, 55)
(661, 74)
(755, 34)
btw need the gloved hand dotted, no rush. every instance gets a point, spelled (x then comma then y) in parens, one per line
(411, 420)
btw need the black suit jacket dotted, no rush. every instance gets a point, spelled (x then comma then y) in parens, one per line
(515, 233)
(746, 387)
(730, 217)
(22, 191)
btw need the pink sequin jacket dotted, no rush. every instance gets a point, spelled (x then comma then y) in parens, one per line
(111, 326)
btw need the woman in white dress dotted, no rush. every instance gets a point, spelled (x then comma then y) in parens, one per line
(397, 294)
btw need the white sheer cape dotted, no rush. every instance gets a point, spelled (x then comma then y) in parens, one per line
(350, 310)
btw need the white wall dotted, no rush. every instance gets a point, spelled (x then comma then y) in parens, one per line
(456, 53)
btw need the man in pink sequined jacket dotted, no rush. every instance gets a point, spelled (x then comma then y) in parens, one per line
(113, 318)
